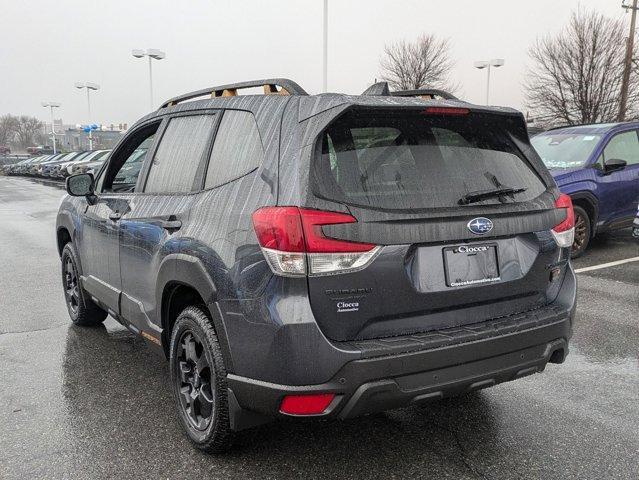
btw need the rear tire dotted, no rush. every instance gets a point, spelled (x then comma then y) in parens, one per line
(198, 376)
(82, 310)
(583, 232)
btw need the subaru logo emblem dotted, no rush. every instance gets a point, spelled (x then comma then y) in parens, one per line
(480, 225)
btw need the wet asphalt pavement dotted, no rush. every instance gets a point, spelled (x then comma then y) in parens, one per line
(95, 403)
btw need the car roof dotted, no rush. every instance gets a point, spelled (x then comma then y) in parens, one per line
(595, 128)
(226, 96)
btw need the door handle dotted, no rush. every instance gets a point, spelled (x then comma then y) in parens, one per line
(115, 216)
(171, 224)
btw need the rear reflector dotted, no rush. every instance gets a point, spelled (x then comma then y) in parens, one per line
(564, 232)
(294, 244)
(446, 111)
(306, 404)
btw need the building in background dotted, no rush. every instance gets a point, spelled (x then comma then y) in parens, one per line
(73, 137)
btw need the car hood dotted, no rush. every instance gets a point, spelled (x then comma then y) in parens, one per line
(562, 175)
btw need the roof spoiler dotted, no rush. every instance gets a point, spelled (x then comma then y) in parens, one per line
(381, 89)
(426, 94)
(270, 86)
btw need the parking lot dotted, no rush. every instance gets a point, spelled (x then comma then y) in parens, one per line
(95, 403)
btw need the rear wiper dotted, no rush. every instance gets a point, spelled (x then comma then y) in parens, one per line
(479, 195)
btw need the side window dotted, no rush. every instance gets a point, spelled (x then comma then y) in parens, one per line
(237, 149)
(125, 164)
(624, 146)
(180, 153)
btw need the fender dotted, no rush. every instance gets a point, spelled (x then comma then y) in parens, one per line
(64, 221)
(594, 201)
(67, 218)
(187, 270)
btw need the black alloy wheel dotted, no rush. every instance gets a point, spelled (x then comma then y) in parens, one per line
(198, 375)
(195, 382)
(82, 310)
(582, 233)
(71, 287)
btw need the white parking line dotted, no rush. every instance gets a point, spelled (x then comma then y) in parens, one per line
(606, 265)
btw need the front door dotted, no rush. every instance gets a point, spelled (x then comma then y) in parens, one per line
(99, 237)
(620, 189)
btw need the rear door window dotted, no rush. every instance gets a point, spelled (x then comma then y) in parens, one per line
(237, 149)
(180, 153)
(413, 161)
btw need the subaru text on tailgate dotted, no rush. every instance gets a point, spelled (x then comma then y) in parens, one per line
(298, 255)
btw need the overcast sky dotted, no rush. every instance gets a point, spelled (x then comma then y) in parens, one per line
(47, 46)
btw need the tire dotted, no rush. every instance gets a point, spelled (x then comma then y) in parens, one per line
(197, 367)
(82, 310)
(583, 233)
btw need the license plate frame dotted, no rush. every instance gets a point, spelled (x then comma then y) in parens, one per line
(472, 255)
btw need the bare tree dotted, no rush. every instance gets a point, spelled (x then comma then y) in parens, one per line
(28, 130)
(8, 127)
(423, 63)
(576, 75)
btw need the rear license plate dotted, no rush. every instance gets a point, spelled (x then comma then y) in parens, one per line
(471, 264)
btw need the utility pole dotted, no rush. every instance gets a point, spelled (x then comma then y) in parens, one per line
(628, 61)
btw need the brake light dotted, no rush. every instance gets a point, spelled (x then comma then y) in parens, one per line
(306, 404)
(294, 244)
(564, 232)
(446, 111)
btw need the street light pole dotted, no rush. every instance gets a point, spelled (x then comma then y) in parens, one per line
(51, 106)
(495, 62)
(88, 86)
(150, 83)
(152, 53)
(325, 52)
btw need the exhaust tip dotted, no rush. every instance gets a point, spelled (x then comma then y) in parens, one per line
(558, 356)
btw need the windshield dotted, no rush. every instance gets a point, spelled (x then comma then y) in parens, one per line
(565, 150)
(408, 160)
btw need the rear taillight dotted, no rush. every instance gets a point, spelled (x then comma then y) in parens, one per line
(294, 244)
(564, 232)
(312, 404)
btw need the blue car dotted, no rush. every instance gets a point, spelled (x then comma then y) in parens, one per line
(598, 166)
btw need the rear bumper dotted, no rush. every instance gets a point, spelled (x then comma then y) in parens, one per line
(392, 380)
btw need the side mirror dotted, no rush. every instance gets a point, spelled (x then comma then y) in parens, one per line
(614, 164)
(80, 185)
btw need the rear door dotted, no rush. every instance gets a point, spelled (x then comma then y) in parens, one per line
(414, 181)
(150, 229)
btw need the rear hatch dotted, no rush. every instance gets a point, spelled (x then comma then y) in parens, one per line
(421, 185)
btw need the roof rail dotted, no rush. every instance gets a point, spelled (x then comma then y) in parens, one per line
(286, 87)
(425, 93)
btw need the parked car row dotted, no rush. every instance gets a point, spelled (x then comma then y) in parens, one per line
(59, 166)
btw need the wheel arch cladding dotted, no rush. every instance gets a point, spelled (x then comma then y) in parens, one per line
(183, 281)
(590, 204)
(63, 237)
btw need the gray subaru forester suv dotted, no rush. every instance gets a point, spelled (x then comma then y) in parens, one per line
(298, 255)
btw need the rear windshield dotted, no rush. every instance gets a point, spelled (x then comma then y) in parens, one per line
(415, 161)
